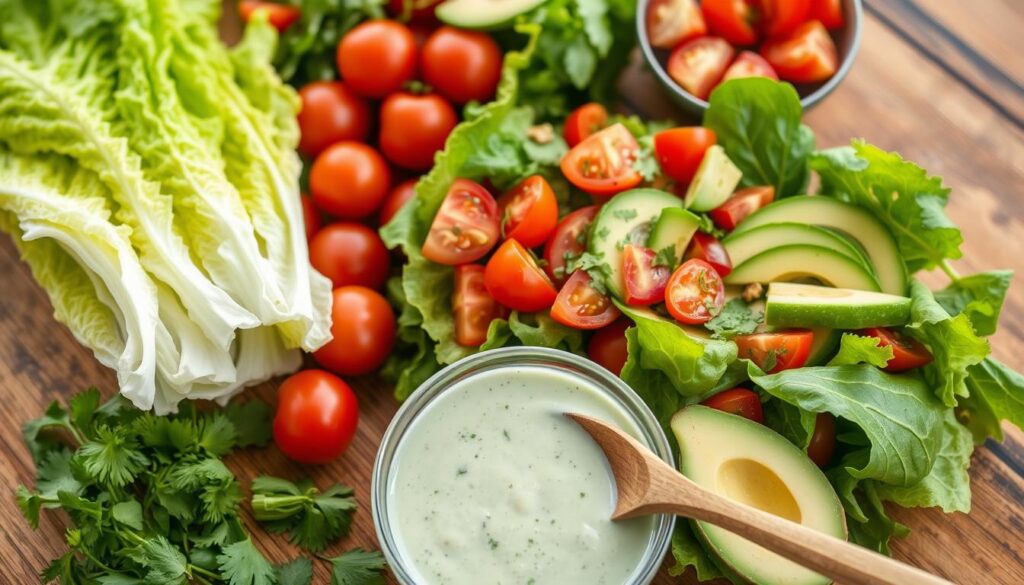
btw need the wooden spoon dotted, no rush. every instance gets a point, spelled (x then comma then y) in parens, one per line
(647, 485)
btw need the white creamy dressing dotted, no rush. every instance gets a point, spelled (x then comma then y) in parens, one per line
(492, 485)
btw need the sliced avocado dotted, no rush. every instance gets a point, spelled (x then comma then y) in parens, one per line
(747, 243)
(799, 261)
(696, 332)
(748, 462)
(482, 14)
(868, 231)
(714, 182)
(805, 305)
(674, 227)
(626, 219)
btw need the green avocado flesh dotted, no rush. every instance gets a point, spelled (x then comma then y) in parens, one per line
(743, 245)
(748, 462)
(482, 14)
(715, 181)
(675, 227)
(804, 305)
(799, 261)
(854, 221)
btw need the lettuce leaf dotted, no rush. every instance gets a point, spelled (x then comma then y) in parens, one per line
(979, 296)
(308, 49)
(688, 552)
(996, 393)
(858, 349)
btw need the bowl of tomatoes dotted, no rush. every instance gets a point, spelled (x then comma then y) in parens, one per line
(692, 46)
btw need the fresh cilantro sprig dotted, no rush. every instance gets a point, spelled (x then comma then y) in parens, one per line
(358, 567)
(313, 519)
(736, 318)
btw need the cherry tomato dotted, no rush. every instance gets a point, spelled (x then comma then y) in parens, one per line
(331, 112)
(742, 203)
(413, 128)
(583, 122)
(461, 65)
(569, 240)
(416, 11)
(397, 199)
(316, 418)
(280, 16)
(737, 401)
(529, 211)
(828, 13)
(473, 307)
(680, 150)
(695, 293)
(350, 253)
(670, 22)
(603, 163)
(465, 228)
(363, 327)
(698, 65)
(775, 352)
(907, 352)
(749, 64)
(645, 282)
(732, 20)
(377, 57)
(310, 216)
(514, 279)
(705, 247)
(607, 346)
(781, 17)
(808, 55)
(580, 306)
(349, 180)
(823, 440)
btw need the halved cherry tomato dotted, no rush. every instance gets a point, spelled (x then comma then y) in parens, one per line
(749, 64)
(514, 279)
(680, 150)
(645, 282)
(738, 401)
(742, 203)
(907, 352)
(670, 22)
(695, 293)
(396, 200)
(775, 352)
(732, 20)
(580, 306)
(828, 12)
(808, 55)
(583, 122)
(603, 163)
(569, 241)
(698, 66)
(823, 439)
(473, 307)
(466, 227)
(280, 16)
(705, 247)
(781, 17)
(608, 348)
(316, 418)
(529, 212)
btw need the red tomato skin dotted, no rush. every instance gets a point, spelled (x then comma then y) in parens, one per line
(828, 13)
(680, 150)
(591, 156)
(396, 200)
(363, 326)
(781, 17)
(473, 307)
(907, 352)
(413, 11)
(807, 55)
(569, 238)
(580, 306)
(310, 216)
(670, 22)
(698, 65)
(468, 214)
(749, 64)
(316, 418)
(331, 113)
(350, 254)
(461, 65)
(540, 218)
(583, 122)
(739, 401)
(742, 203)
(377, 58)
(607, 346)
(349, 180)
(688, 302)
(705, 247)
(514, 279)
(795, 345)
(645, 282)
(413, 128)
(280, 16)
(823, 440)
(730, 19)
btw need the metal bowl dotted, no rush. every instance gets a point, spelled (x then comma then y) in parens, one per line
(847, 43)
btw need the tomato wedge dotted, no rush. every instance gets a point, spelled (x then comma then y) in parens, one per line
(670, 22)
(514, 279)
(602, 164)
(828, 13)
(907, 352)
(697, 66)
(749, 64)
(707, 248)
(774, 352)
(472, 306)
(583, 122)
(732, 20)
(742, 203)
(569, 241)
(529, 211)
(280, 16)
(781, 17)
(608, 348)
(808, 55)
(680, 150)
(465, 228)
(823, 440)
(645, 282)
(580, 306)
(695, 293)
(739, 401)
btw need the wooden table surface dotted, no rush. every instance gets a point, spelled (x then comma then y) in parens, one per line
(940, 81)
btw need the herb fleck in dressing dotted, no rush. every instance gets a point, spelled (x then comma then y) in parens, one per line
(492, 485)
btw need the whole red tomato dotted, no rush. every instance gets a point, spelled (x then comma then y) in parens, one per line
(316, 417)
(377, 57)
(397, 199)
(363, 326)
(331, 112)
(461, 65)
(349, 180)
(413, 128)
(350, 253)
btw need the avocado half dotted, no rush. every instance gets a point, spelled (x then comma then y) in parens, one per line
(752, 464)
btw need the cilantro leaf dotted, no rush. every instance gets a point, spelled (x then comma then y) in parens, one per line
(736, 318)
(163, 561)
(646, 163)
(297, 572)
(252, 422)
(217, 435)
(314, 519)
(112, 457)
(358, 567)
(242, 564)
(667, 257)
(82, 408)
(859, 349)
(37, 433)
